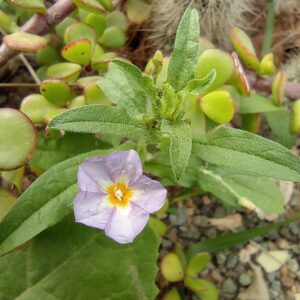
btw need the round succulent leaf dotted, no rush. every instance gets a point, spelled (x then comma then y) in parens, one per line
(239, 78)
(171, 268)
(23, 41)
(295, 117)
(64, 24)
(234, 93)
(107, 4)
(7, 201)
(36, 107)
(138, 11)
(7, 24)
(18, 139)
(84, 81)
(197, 263)
(100, 64)
(97, 22)
(245, 49)
(54, 113)
(35, 6)
(56, 91)
(80, 30)
(218, 60)
(116, 19)
(90, 5)
(218, 106)
(42, 72)
(267, 66)
(278, 88)
(94, 95)
(48, 56)
(204, 289)
(77, 102)
(113, 37)
(205, 44)
(172, 294)
(66, 71)
(14, 177)
(79, 51)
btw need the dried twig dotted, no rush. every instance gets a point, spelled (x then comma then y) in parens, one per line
(40, 25)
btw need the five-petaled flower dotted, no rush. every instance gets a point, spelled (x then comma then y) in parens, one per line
(116, 196)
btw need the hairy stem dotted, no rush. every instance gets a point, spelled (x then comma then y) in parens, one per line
(40, 25)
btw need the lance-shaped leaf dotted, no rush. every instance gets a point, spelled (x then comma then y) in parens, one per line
(256, 104)
(278, 88)
(18, 139)
(52, 150)
(90, 265)
(184, 58)
(103, 119)
(295, 117)
(27, 42)
(7, 201)
(248, 152)
(35, 6)
(129, 88)
(46, 202)
(230, 186)
(180, 146)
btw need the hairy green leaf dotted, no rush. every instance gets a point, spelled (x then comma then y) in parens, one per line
(103, 119)
(71, 261)
(180, 146)
(184, 58)
(52, 150)
(231, 185)
(248, 152)
(126, 85)
(46, 202)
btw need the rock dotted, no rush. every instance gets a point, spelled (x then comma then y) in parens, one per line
(216, 275)
(231, 261)
(245, 254)
(200, 220)
(282, 243)
(219, 212)
(293, 267)
(258, 289)
(221, 258)
(180, 217)
(211, 232)
(245, 279)
(227, 223)
(272, 260)
(229, 286)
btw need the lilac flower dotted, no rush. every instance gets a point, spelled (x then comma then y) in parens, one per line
(115, 195)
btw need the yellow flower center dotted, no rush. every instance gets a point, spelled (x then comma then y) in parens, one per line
(119, 194)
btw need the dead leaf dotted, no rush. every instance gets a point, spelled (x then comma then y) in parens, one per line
(227, 223)
(272, 260)
(258, 289)
(286, 188)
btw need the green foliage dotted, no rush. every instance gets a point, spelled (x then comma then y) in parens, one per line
(180, 146)
(183, 61)
(17, 141)
(79, 254)
(249, 153)
(123, 79)
(52, 149)
(103, 119)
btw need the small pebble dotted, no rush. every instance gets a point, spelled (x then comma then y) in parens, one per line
(229, 286)
(219, 213)
(282, 243)
(221, 258)
(231, 261)
(245, 279)
(211, 232)
(200, 220)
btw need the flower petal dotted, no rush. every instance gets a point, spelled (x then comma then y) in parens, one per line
(92, 209)
(125, 224)
(148, 194)
(124, 164)
(93, 175)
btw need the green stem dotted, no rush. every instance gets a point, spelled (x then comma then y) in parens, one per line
(267, 44)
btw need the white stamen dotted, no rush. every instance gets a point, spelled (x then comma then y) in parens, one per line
(118, 193)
